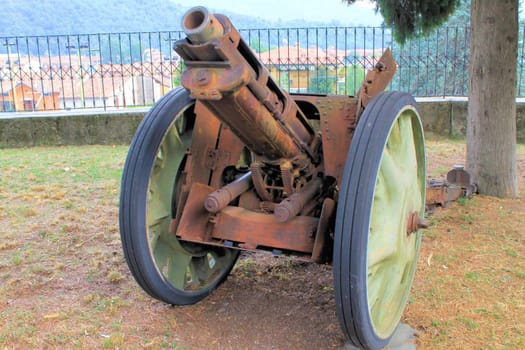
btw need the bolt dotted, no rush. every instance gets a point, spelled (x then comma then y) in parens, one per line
(380, 66)
(202, 77)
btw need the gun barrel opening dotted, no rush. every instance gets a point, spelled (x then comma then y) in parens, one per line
(201, 26)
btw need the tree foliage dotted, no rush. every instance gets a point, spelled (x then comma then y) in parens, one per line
(410, 18)
(354, 76)
(322, 81)
(436, 65)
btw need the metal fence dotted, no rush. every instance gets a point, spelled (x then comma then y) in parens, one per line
(111, 71)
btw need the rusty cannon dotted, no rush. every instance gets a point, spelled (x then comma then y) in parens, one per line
(231, 162)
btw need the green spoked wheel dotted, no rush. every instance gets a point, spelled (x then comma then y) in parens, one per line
(172, 271)
(376, 240)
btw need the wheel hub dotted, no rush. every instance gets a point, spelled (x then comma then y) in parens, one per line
(414, 223)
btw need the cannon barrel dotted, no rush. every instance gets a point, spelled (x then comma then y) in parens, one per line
(226, 76)
(292, 205)
(220, 198)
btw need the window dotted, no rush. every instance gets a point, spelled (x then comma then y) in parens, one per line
(7, 106)
(29, 105)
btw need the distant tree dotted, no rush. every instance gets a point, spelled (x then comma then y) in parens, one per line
(176, 75)
(354, 76)
(411, 18)
(322, 81)
(284, 80)
(256, 44)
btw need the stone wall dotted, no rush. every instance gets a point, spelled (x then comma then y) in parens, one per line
(440, 116)
(449, 117)
(78, 129)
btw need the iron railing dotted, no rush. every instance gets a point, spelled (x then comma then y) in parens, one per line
(110, 71)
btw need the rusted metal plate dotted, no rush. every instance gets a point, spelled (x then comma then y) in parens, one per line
(338, 121)
(460, 177)
(194, 222)
(338, 124)
(322, 236)
(204, 138)
(250, 200)
(253, 230)
(376, 80)
(230, 148)
(457, 185)
(441, 193)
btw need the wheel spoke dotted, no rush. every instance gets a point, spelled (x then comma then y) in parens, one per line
(157, 219)
(407, 155)
(384, 308)
(392, 276)
(173, 261)
(395, 138)
(390, 177)
(382, 253)
(200, 271)
(182, 268)
(154, 235)
(177, 270)
(410, 249)
(414, 199)
(377, 279)
(383, 237)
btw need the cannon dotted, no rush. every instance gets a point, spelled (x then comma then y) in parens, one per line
(232, 162)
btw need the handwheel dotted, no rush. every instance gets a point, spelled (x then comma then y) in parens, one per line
(175, 272)
(381, 200)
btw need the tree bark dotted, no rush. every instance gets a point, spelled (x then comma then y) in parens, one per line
(491, 126)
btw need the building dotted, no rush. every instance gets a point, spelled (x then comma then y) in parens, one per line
(23, 97)
(303, 70)
(61, 84)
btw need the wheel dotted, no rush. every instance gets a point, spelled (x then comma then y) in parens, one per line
(174, 272)
(376, 244)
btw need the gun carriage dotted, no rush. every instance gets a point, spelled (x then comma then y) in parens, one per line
(231, 162)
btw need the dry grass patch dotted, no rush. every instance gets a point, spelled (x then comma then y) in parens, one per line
(64, 282)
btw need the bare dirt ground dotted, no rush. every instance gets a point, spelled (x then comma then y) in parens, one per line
(64, 282)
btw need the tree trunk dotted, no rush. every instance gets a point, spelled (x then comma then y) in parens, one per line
(491, 127)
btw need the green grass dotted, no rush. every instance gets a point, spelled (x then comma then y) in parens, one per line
(463, 201)
(44, 166)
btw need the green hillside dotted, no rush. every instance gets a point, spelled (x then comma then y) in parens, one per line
(52, 17)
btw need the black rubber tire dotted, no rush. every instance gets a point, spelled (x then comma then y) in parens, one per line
(353, 218)
(133, 205)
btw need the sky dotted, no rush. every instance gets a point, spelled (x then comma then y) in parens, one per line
(361, 12)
